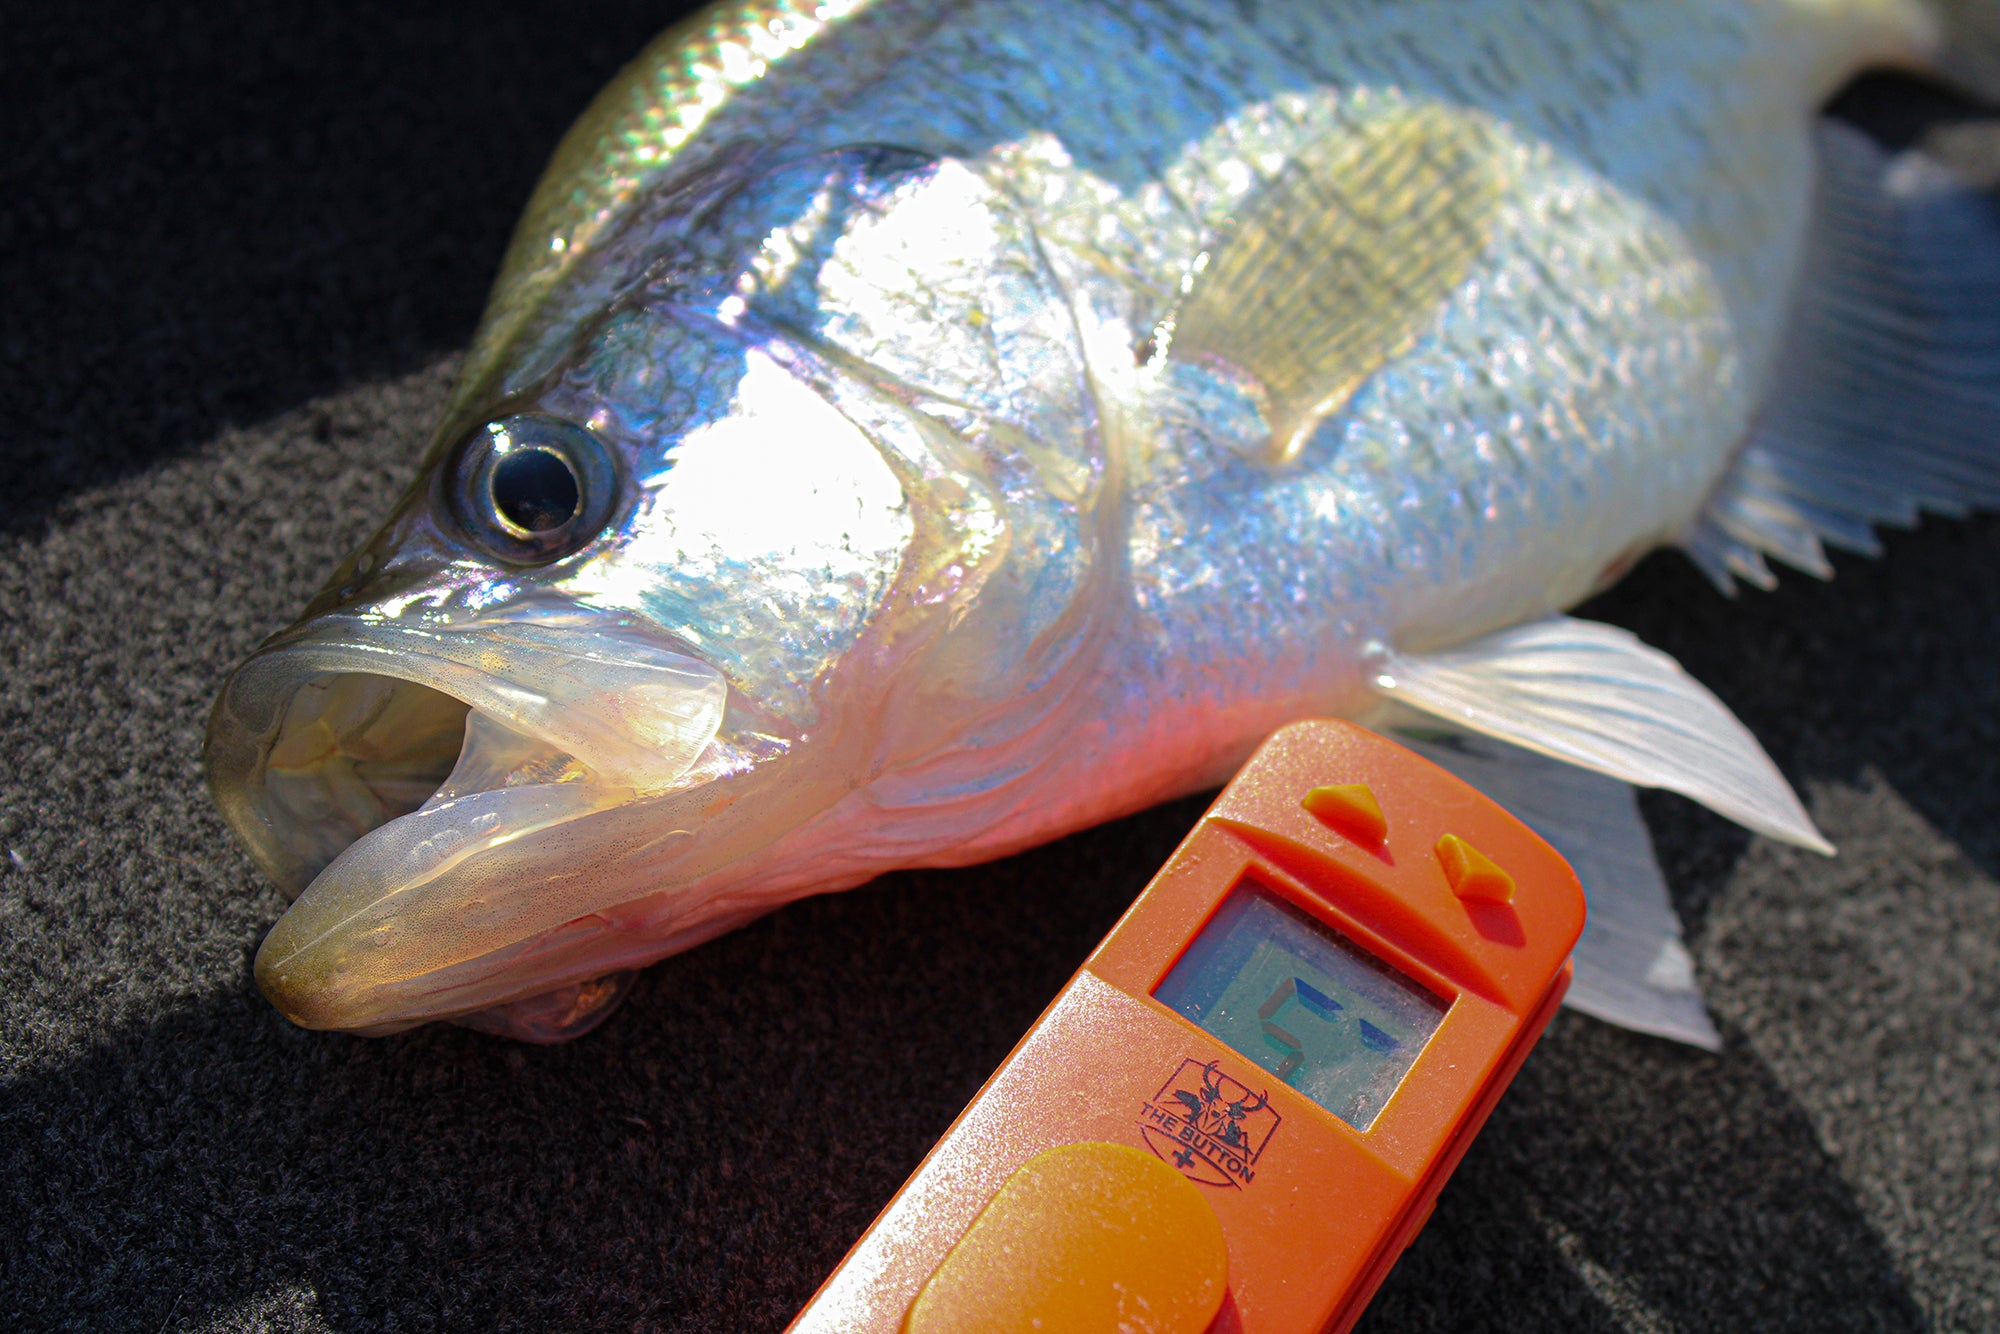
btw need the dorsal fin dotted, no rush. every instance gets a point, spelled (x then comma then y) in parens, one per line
(1340, 261)
(1887, 393)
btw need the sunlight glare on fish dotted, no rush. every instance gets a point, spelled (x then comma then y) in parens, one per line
(978, 426)
(946, 220)
(782, 476)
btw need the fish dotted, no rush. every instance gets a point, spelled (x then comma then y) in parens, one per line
(903, 433)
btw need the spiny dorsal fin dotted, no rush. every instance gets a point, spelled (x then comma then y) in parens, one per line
(1886, 398)
(1340, 261)
(1594, 695)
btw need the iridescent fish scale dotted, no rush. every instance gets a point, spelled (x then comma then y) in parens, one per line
(1020, 407)
(637, 144)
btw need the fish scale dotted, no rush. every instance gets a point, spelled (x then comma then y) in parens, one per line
(1015, 410)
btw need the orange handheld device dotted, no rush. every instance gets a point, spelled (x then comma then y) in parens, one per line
(1241, 1109)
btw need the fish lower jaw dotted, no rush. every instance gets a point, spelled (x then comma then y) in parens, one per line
(419, 788)
(408, 896)
(506, 906)
(548, 987)
(544, 1010)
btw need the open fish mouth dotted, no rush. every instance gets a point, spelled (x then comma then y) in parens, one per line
(438, 797)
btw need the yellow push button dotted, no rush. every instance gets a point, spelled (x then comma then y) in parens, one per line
(1351, 809)
(1080, 1239)
(1471, 873)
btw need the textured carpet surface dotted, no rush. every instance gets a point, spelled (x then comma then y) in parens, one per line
(237, 249)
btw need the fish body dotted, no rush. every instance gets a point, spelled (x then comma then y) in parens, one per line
(997, 418)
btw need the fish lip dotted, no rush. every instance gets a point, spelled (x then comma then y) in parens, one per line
(572, 953)
(242, 731)
(521, 668)
(253, 712)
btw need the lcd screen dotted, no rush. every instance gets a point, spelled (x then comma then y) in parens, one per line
(1303, 1002)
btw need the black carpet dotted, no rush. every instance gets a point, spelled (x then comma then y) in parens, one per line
(236, 250)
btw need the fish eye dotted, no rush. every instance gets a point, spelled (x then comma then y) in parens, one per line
(531, 488)
(534, 490)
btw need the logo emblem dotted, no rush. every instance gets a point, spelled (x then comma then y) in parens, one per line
(1209, 1126)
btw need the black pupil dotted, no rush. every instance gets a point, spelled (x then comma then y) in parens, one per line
(534, 490)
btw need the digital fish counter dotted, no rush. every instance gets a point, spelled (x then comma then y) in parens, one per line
(1240, 1110)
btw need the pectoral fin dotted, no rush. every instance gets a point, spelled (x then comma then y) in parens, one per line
(1632, 968)
(1595, 696)
(1336, 264)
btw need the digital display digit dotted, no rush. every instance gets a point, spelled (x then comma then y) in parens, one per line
(1303, 1002)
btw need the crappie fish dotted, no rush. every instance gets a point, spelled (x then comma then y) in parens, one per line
(904, 433)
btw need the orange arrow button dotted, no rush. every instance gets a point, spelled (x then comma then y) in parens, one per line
(1472, 873)
(1350, 809)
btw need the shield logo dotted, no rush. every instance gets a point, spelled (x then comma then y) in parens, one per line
(1210, 1127)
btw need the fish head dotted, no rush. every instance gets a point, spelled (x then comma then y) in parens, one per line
(588, 661)
(616, 640)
